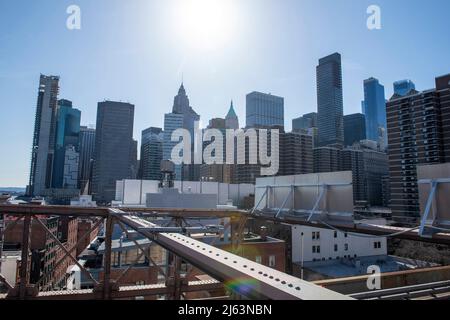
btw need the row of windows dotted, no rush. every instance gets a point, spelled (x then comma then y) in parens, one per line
(316, 235)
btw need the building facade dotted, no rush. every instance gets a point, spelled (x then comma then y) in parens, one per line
(67, 146)
(354, 128)
(296, 155)
(113, 148)
(151, 153)
(419, 133)
(374, 108)
(403, 87)
(182, 116)
(264, 110)
(87, 150)
(330, 115)
(43, 150)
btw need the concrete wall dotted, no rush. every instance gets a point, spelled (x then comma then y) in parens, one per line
(340, 199)
(440, 206)
(134, 192)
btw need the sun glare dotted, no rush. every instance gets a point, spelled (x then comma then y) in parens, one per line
(205, 24)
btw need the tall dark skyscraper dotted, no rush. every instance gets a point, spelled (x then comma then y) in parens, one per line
(151, 153)
(374, 108)
(419, 134)
(43, 150)
(113, 148)
(65, 166)
(330, 111)
(87, 148)
(264, 110)
(354, 128)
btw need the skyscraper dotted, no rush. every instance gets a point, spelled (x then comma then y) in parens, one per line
(232, 120)
(183, 116)
(305, 122)
(330, 115)
(151, 153)
(113, 148)
(67, 141)
(374, 106)
(42, 154)
(354, 128)
(87, 148)
(264, 110)
(419, 134)
(296, 156)
(403, 87)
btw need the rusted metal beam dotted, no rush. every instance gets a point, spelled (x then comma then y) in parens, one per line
(107, 258)
(124, 292)
(18, 210)
(26, 244)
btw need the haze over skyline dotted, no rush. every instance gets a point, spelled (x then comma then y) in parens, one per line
(138, 51)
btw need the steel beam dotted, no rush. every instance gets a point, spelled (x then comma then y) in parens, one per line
(243, 276)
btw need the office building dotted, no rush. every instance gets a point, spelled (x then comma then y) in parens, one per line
(419, 134)
(330, 105)
(305, 122)
(354, 128)
(151, 153)
(374, 108)
(183, 116)
(65, 165)
(43, 149)
(113, 148)
(264, 110)
(87, 148)
(296, 155)
(232, 120)
(404, 87)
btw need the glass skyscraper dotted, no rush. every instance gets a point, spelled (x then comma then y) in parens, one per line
(87, 148)
(354, 128)
(151, 153)
(264, 110)
(330, 105)
(403, 87)
(374, 108)
(44, 136)
(67, 140)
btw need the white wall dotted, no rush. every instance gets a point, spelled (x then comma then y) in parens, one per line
(359, 246)
(133, 192)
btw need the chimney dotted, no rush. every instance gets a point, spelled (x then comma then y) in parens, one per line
(263, 233)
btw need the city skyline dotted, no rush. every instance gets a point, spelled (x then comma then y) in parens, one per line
(210, 87)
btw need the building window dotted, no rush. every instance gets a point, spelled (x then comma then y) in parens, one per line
(258, 259)
(346, 235)
(346, 247)
(377, 245)
(272, 261)
(335, 234)
(316, 235)
(316, 249)
(336, 248)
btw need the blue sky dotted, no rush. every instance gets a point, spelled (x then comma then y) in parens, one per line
(138, 50)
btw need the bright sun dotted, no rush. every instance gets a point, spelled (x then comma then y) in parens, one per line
(205, 24)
